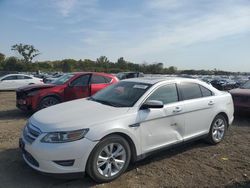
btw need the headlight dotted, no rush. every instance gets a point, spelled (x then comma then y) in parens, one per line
(60, 137)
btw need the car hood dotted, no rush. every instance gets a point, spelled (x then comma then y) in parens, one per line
(73, 115)
(34, 87)
(240, 91)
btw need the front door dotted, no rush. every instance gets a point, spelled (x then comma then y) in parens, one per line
(9, 82)
(165, 126)
(78, 88)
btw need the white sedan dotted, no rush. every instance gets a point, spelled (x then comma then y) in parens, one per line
(14, 81)
(125, 122)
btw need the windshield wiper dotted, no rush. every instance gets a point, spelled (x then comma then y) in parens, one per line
(104, 102)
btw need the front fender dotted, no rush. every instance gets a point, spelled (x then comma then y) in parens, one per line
(98, 132)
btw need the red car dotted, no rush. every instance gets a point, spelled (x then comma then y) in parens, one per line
(241, 97)
(68, 87)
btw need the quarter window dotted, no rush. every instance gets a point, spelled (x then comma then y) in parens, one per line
(167, 94)
(205, 92)
(190, 91)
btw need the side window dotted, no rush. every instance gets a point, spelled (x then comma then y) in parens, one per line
(27, 77)
(96, 79)
(10, 78)
(131, 75)
(167, 94)
(205, 92)
(108, 79)
(190, 91)
(21, 77)
(81, 81)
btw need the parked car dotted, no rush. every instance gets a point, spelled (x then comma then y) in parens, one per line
(126, 75)
(224, 84)
(51, 78)
(125, 122)
(68, 87)
(14, 81)
(241, 97)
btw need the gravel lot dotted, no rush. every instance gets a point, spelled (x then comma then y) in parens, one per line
(191, 165)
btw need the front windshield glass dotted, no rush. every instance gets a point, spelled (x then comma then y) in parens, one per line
(246, 85)
(122, 94)
(62, 79)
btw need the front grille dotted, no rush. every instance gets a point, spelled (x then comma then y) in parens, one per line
(30, 133)
(20, 95)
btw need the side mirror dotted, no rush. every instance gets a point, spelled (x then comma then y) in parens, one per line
(152, 104)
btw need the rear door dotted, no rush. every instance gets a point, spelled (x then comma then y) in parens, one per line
(198, 109)
(23, 80)
(98, 82)
(78, 88)
(165, 126)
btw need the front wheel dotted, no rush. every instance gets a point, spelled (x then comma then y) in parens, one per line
(48, 101)
(217, 130)
(109, 159)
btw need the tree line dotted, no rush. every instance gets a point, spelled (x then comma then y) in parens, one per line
(101, 64)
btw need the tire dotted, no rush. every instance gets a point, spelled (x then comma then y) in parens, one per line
(109, 168)
(31, 83)
(47, 102)
(217, 130)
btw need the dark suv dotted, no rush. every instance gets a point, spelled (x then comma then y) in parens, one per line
(126, 75)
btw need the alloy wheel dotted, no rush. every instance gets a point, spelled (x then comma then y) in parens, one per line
(111, 159)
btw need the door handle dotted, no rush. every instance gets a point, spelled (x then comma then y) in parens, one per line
(210, 103)
(177, 109)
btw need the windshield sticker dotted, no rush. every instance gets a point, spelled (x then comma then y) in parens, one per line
(140, 86)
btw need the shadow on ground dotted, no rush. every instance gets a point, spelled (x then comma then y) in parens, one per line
(14, 114)
(15, 173)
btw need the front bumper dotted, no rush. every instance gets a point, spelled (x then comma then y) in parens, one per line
(24, 104)
(42, 156)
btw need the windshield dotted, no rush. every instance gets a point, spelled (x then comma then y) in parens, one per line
(246, 85)
(122, 94)
(62, 79)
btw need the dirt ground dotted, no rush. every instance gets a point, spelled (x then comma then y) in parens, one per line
(191, 165)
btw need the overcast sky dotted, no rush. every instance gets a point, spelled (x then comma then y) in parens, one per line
(197, 34)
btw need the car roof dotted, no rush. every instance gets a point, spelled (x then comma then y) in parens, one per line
(17, 75)
(97, 73)
(154, 80)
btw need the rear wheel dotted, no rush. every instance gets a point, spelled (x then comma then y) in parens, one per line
(48, 101)
(217, 129)
(109, 159)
